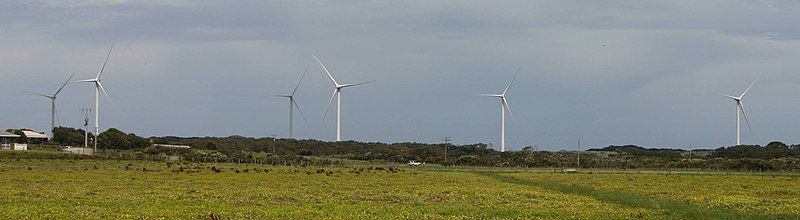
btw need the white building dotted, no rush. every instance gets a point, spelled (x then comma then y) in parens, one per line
(8, 139)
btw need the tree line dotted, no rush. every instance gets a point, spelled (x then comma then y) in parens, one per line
(775, 156)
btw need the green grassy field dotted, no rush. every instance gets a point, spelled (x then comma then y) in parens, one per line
(111, 189)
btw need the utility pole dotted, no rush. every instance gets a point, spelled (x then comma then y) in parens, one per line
(274, 142)
(446, 143)
(86, 112)
(579, 153)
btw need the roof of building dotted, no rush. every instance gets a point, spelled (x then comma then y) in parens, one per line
(7, 134)
(33, 134)
(172, 146)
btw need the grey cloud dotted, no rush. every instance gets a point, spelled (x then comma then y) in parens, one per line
(612, 72)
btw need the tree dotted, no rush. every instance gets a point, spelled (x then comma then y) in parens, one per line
(116, 139)
(69, 136)
(776, 144)
(113, 138)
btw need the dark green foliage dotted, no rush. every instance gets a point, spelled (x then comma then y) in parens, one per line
(773, 150)
(69, 136)
(776, 156)
(116, 139)
(643, 152)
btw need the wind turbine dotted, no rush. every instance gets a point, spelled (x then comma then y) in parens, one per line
(337, 93)
(740, 108)
(293, 103)
(98, 87)
(53, 103)
(503, 108)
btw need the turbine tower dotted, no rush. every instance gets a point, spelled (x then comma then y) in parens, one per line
(98, 87)
(337, 93)
(53, 103)
(293, 103)
(503, 108)
(740, 108)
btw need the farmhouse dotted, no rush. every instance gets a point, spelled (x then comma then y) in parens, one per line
(35, 137)
(8, 139)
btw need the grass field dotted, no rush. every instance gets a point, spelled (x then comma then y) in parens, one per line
(103, 189)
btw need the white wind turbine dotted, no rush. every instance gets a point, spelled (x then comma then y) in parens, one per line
(503, 108)
(337, 93)
(293, 103)
(98, 87)
(740, 108)
(53, 103)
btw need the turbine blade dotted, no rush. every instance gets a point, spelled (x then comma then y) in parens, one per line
(329, 106)
(65, 84)
(326, 71)
(301, 81)
(729, 96)
(751, 86)
(104, 63)
(40, 94)
(281, 96)
(355, 84)
(107, 97)
(741, 107)
(505, 104)
(85, 80)
(512, 82)
(298, 110)
(491, 95)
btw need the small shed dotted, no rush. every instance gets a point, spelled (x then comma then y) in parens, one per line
(8, 139)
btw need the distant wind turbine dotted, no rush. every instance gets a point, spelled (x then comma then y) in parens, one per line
(98, 87)
(293, 103)
(503, 108)
(337, 93)
(53, 103)
(740, 108)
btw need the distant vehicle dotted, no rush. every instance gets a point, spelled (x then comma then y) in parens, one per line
(414, 163)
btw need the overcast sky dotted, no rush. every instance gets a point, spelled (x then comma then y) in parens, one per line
(607, 72)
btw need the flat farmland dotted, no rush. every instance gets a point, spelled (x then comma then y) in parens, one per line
(127, 189)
